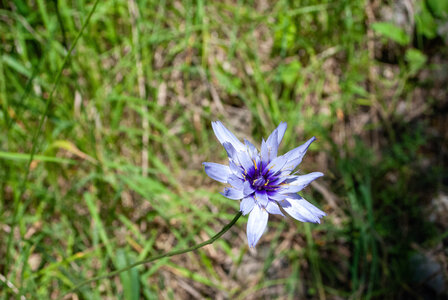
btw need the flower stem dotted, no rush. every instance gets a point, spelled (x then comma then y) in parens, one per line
(154, 258)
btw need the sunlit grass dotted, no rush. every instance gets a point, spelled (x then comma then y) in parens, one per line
(145, 80)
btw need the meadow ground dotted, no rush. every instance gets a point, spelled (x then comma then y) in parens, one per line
(105, 121)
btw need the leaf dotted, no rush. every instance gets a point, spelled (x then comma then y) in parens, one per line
(26, 157)
(416, 60)
(425, 23)
(129, 279)
(439, 8)
(391, 31)
(290, 72)
(70, 147)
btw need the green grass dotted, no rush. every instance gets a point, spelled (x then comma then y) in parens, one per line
(101, 147)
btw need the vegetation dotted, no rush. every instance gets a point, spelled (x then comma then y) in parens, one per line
(105, 119)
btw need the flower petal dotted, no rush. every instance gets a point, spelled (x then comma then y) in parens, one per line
(231, 152)
(251, 149)
(247, 188)
(224, 135)
(232, 193)
(261, 198)
(236, 170)
(217, 172)
(271, 146)
(246, 162)
(273, 208)
(298, 209)
(246, 205)
(256, 224)
(276, 164)
(296, 155)
(281, 131)
(275, 196)
(264, 153)
(317, 212)
(296, 197)
(288, 189)
(235, 182)
(303, 180)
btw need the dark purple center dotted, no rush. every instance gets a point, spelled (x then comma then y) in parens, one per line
(261, 178)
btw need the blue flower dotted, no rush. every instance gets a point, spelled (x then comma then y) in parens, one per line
(263, 181)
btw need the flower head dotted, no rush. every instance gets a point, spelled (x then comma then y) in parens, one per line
(263, 181)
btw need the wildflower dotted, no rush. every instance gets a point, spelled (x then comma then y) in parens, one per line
(263, 181)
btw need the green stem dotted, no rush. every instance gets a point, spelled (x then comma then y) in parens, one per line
(154, 258)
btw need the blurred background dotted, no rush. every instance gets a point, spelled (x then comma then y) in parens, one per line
(117, 175)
